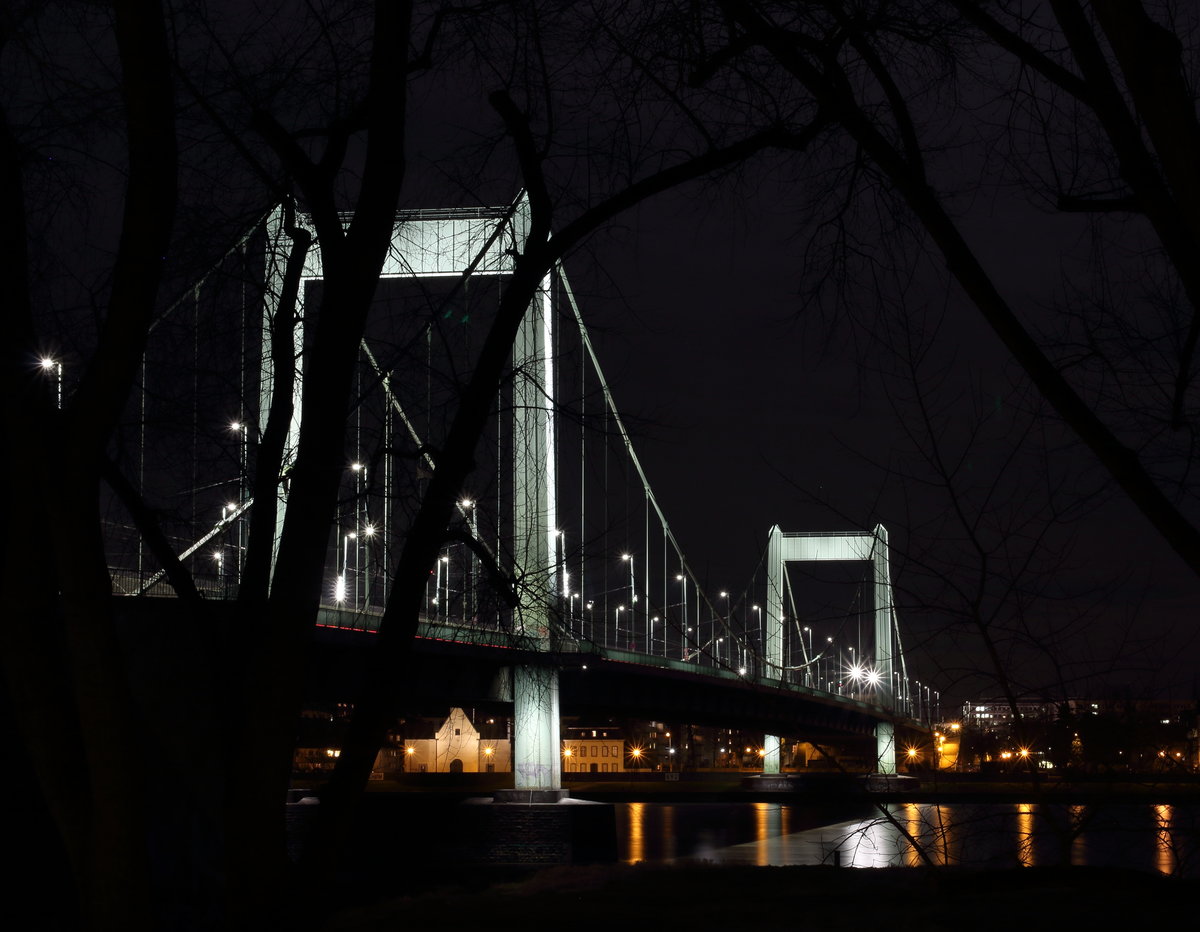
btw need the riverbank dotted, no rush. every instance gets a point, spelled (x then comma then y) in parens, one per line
(702, 897)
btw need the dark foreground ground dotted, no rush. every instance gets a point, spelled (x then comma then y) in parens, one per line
(700, 897)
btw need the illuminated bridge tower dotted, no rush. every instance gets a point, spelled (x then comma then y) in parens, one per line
(783, 548)
(537, 764)
(457, 243)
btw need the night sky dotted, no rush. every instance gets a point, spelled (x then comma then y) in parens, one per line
(753, 405)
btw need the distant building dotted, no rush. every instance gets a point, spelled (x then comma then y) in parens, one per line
(456, 746)
(594, 750)
(997, 713)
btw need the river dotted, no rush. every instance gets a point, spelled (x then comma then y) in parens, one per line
(1163, 838)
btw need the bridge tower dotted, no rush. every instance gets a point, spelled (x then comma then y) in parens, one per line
(455, 243)
(537, 764)
(799, 547)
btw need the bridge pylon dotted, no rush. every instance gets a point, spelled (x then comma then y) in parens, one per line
(800, 547)
(537, 762)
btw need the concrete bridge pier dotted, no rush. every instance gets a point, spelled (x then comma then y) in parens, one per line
(537, 765)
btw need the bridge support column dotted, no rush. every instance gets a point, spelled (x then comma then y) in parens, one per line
(537, 765)
(770, 761)
(885, 747)
(537, 773)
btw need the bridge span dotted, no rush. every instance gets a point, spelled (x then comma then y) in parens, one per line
(463, 665)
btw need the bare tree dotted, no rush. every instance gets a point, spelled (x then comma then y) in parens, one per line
(339, 144)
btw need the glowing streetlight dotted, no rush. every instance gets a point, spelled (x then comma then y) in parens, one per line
(368, 536)
(684, 629)
(725, 621)
(617, 623)
(50, 364)
(468, 506)
(445, 598)
(628, 558)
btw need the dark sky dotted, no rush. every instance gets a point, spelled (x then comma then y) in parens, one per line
(751, 410)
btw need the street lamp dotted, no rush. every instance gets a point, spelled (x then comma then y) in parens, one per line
(628, 558)
(725, 621)
(49, 364)
(344, 578)
(369, 534)
(617, 623)
(361, 518)
(684, 627)
(591, 621)
(468, 505)
(758, 611)
(219, 556)
(437, 585)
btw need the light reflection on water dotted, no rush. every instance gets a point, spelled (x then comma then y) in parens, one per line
(636, 832)
(1163, 838)
(1164, 843)
(1025, 849)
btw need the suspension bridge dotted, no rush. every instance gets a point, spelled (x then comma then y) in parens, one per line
(560, 511)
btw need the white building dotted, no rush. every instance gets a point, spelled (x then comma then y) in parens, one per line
(456, 747)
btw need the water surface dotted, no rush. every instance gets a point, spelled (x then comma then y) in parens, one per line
(1163, 838)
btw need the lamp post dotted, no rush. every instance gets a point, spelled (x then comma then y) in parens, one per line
(617, 624)
(360, 520)
(345, 577)
(219, 556)
(229, 511)
(726, 620)
(591, 633)
(242, 429)
(653, 622)
(628, 558)
(49, 364)
(437, 585)
(368, 535)
(683, 630)
(468, 505)
(571, 612)
(757, 609)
